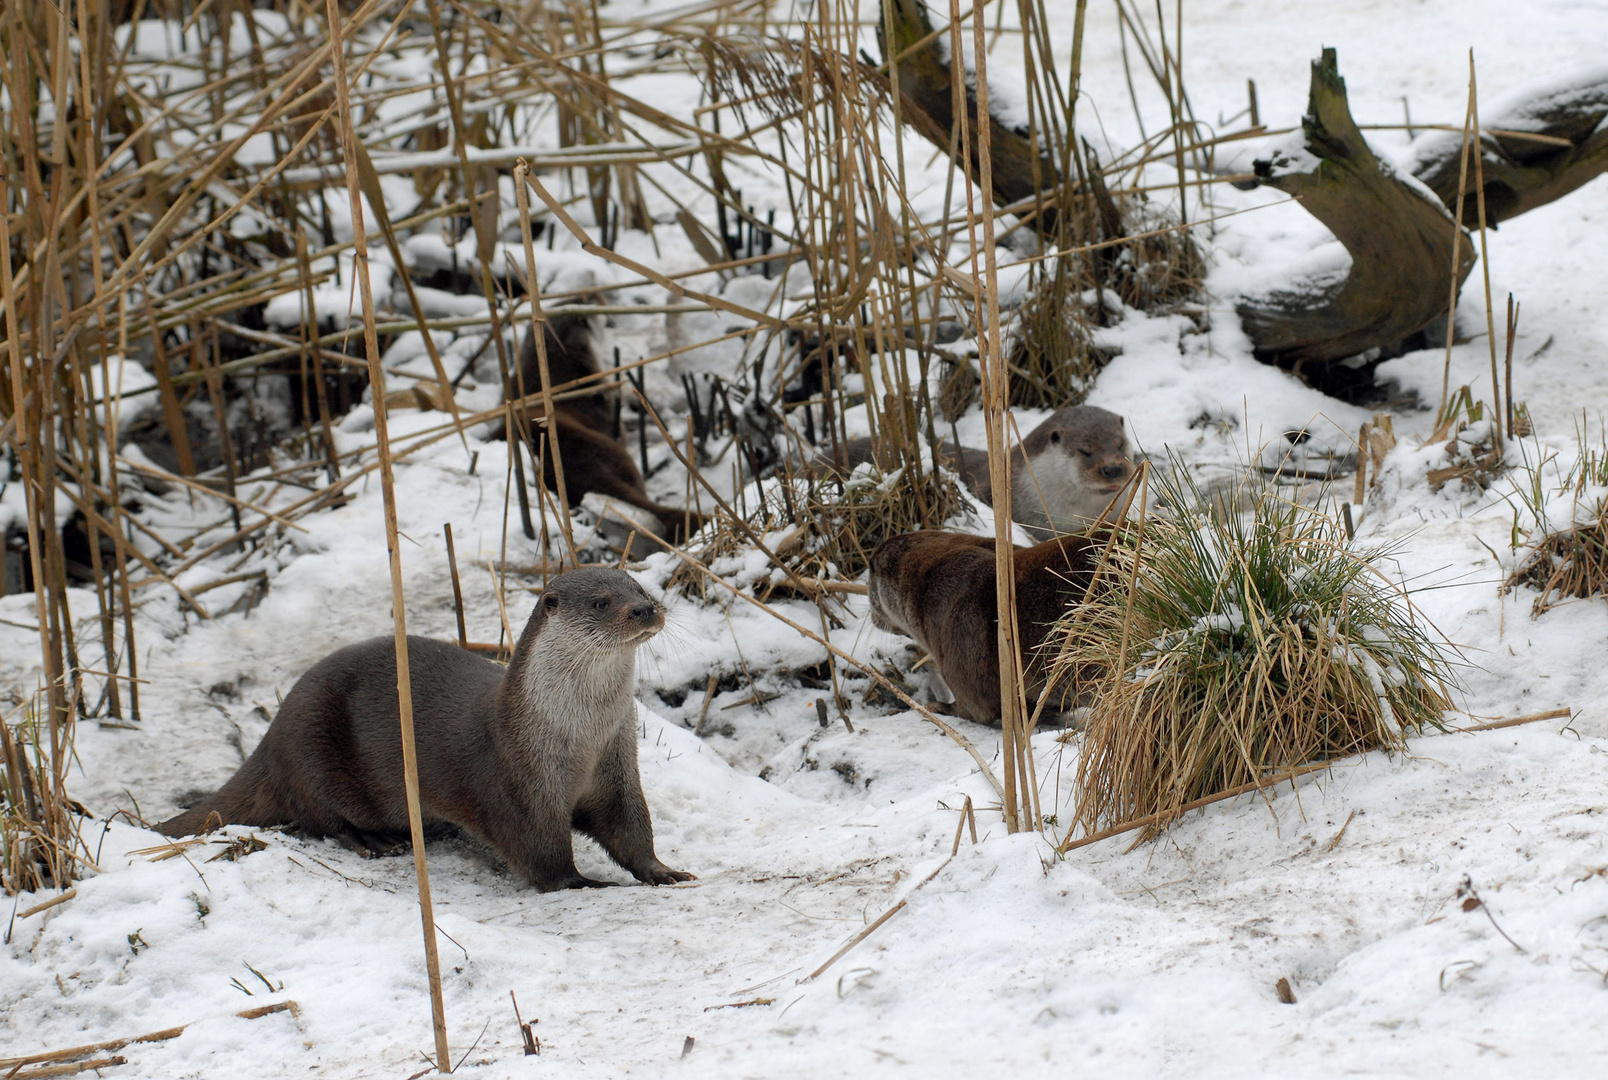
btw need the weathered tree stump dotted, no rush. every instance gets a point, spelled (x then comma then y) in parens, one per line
(928, 105)
(1400, 238)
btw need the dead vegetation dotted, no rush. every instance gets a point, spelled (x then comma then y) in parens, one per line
(1231, 648)
(1563, 551)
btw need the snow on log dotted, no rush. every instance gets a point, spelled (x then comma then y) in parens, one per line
(1398, 232)
(1538, 143)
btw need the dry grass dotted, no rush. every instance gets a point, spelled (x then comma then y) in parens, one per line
(845, 522)
(1564, 559)
(1233, 647)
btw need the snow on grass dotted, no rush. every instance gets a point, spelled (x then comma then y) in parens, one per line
(1161, 959)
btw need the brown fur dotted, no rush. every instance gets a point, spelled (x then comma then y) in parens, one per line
(593, 460)
(517, 757)
(939, 588)
(569, 357)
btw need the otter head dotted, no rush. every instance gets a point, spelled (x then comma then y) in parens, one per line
(1094, 442)
(602, 607)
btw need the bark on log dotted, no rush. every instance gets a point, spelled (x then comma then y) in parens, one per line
(927, 103)
(1400, 238)
(1524, 173)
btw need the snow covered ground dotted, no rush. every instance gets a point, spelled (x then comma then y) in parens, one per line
(1162, 959)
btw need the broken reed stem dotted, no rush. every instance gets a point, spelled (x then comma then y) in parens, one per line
(1507, 363)
(1495, 725)
(16, 1063)
(410, 762)
(891, 912)
(457, 587)
(1485, 255)
(1161, 817)
(1457, 245)
(1013, 703)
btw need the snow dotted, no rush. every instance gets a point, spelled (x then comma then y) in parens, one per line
(1118, 959)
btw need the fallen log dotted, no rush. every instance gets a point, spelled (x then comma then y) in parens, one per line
(1537, 144)
(1399, 234)
(1019, 171)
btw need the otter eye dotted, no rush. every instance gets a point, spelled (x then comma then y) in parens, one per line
(1055, 437)
(550, 601)
(1086, 453)
(601, 603)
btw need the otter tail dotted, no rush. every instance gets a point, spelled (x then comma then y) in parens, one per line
(235, 803)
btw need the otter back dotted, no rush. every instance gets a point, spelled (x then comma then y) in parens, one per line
(939, 588)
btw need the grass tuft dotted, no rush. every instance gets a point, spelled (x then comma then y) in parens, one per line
(1231, 647)
(1564, 552)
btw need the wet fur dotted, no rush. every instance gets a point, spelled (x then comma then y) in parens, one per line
(939, 588)
(517, 757)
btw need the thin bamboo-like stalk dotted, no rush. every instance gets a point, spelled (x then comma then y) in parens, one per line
(996, 395)
(410, 762)
(538, 337)
(1457, 243)
(1485, 255)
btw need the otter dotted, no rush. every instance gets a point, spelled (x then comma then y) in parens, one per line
(594, 462)
(517, 757)
(939, 588)
(593, 459)
(1064, 475)
(570, 356)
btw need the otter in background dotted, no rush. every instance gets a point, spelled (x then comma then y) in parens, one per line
(1064, 474)
(593, 459)
(939, 588)
(516, 756)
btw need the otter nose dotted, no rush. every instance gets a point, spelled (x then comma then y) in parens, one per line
(644, 612)
(1114, 472)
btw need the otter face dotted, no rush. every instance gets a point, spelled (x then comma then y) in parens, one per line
(1095, 443)
(605, 606)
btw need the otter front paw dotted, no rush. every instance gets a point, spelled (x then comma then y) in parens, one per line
(660, 874)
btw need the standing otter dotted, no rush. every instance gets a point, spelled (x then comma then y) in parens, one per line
(939, 588)
(518, 757)
(1064, 475)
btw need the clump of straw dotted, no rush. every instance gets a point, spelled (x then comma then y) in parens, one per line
(847, 522)
(822, 527)
(1231, 647)
(1565, 553)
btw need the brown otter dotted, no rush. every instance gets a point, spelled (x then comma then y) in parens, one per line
(570, 356)
(1063, 475)
(939, 588)
(517, 757)
(593, 460)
